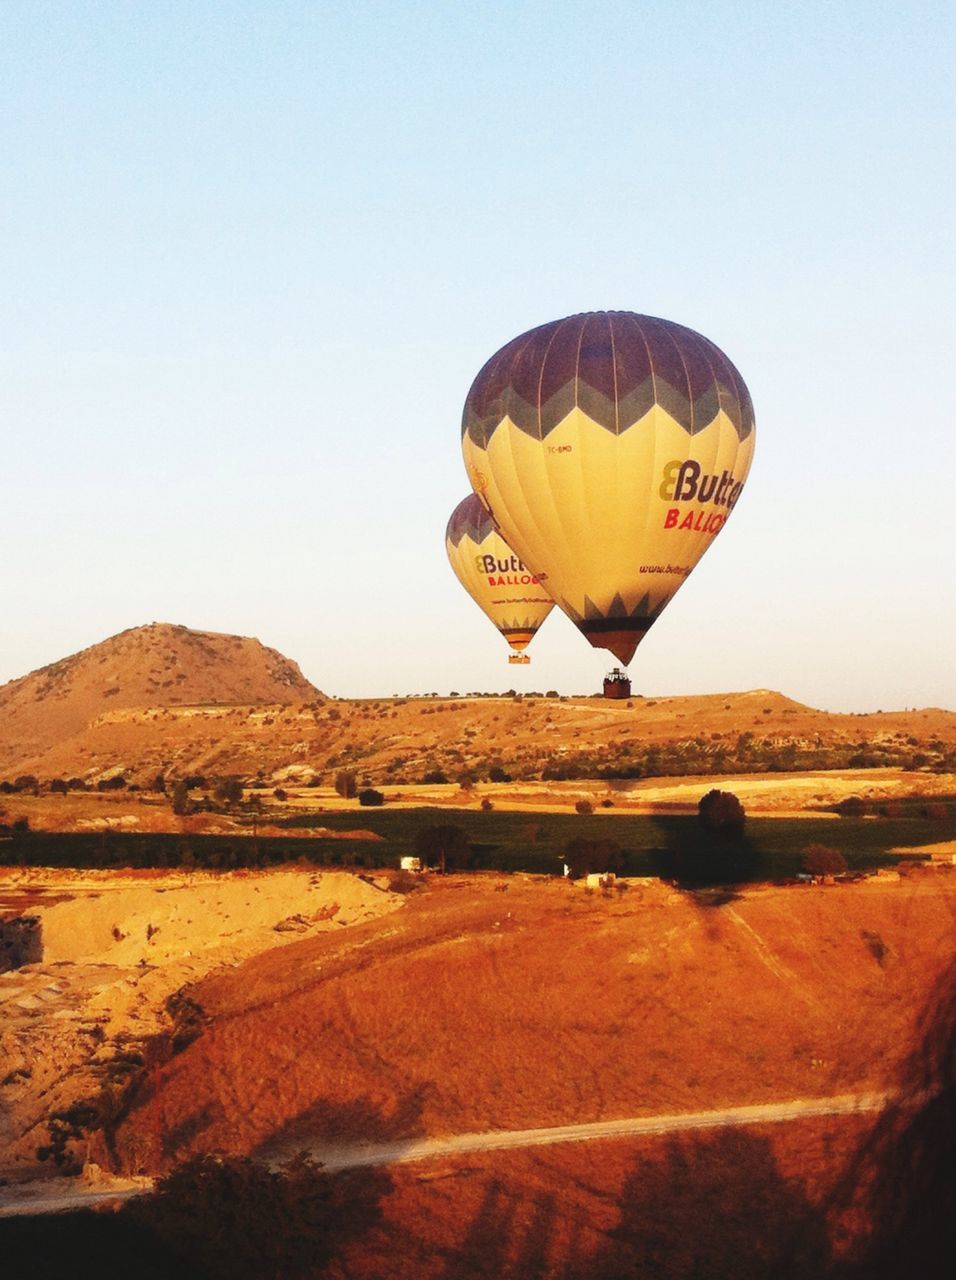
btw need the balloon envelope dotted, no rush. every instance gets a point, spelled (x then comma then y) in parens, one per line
(609, 449)
(495, 578)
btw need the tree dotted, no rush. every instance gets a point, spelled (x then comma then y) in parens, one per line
(370, 797)
(586, 856)
(346, 784)
(444, 846)
(497, 774)
(180, 799)
(722, 813)
(228, 790)
(821, 860)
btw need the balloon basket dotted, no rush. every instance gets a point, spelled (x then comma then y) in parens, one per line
(518, 659)
(617, 684)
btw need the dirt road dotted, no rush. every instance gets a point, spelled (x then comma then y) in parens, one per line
(413, 1149)
(56, 1197)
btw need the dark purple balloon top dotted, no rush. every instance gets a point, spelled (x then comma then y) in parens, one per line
(469, 517)
(615, 366)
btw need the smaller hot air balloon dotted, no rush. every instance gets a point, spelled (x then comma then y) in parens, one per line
(495, 578)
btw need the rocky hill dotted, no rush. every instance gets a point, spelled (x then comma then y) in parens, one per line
(165, 699)
(159, 665)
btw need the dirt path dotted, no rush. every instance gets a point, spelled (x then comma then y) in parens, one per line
(49, 1197)
(413, 1149)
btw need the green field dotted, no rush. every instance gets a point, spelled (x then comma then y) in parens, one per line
(500, 841)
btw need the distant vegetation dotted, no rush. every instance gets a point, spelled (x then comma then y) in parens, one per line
(675, 846)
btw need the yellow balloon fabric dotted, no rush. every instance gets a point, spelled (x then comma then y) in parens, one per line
(609, 449)
(496, 579)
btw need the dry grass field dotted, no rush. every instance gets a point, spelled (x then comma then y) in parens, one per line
(255, 1015)
(482, 1003)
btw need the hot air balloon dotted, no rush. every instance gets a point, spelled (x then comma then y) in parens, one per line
(609, 449)
(495, 578)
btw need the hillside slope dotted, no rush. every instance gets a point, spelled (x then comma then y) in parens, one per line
(400, 740)
(514, 1004)
(155, 665)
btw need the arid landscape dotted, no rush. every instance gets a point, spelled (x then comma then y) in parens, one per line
(211, 951)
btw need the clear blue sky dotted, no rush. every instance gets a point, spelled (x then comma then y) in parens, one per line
(252, 256)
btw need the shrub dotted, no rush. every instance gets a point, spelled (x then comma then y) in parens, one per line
(487, 805)
(230, 1216)
(370, 797)
(404, 882)
(346, 784)
(280, 794)
(228, 790)
(116, 783)
(444, 846)
(586, 856)
(584, 806)
(852, 807)
(497, 774)
(821, 860)
(434, 776)
(180, 797)
(58, 785)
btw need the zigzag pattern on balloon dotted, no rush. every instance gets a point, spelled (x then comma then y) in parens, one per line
(615, 367)
(469, 519)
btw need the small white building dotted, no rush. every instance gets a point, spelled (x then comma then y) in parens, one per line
(411, 864)
(600, 880)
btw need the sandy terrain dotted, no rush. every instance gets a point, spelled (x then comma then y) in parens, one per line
(512, 1003)
(116, 946)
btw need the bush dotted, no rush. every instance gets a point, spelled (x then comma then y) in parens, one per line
(434, 776)
(404, 882)
(584, 807)
(345, 784)
(445, 847)
(497, 774)
(586, 856)
(228, 790)
(370, 797)
(722, 813)
(232, 1217)
(116, 783)
(180, 797)
(821, 860)
(487, 805)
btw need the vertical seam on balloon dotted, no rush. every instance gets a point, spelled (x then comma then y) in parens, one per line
(544, 360)
(546, 471)
(585, 506)
(702, 541)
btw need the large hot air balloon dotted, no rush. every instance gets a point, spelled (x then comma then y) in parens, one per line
(495, 578)
(609, 449)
